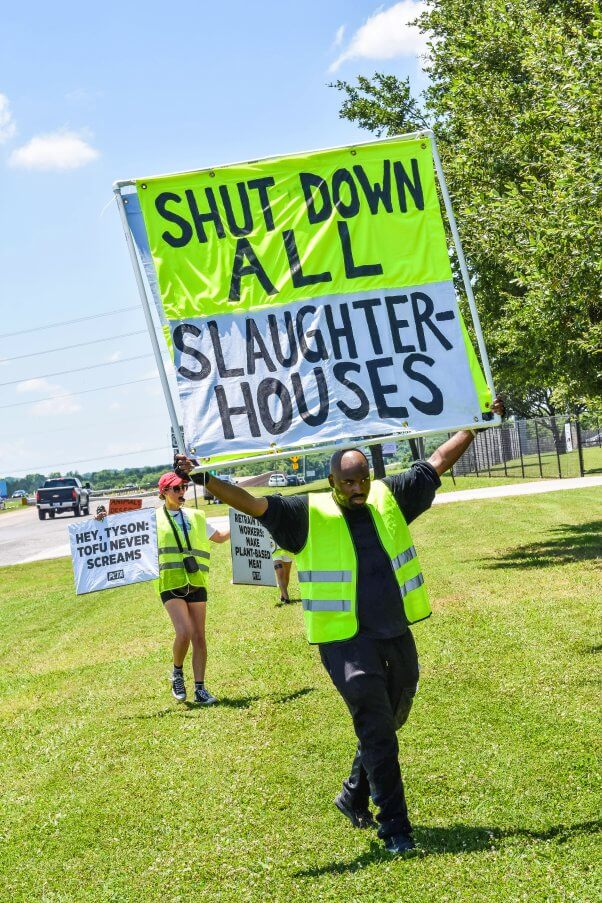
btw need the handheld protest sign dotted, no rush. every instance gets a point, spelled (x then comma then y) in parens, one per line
(118, 506)
(251, 548)
(117, 551)
(308, 299)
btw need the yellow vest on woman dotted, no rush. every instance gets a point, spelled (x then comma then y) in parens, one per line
(172, 573)
(327, 565)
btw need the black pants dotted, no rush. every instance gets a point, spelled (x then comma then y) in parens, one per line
(378, 680)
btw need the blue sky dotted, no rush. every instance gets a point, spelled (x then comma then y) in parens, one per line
(88, 96)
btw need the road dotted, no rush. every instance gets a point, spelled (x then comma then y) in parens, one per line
(25, 538)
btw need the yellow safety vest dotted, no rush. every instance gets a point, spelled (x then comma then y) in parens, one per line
(327, 566)
(172, 573)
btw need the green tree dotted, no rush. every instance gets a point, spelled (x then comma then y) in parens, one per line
(514, 99)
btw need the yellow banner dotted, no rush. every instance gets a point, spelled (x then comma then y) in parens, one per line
(272, 232)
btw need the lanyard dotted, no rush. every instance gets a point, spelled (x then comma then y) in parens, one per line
(175, 532)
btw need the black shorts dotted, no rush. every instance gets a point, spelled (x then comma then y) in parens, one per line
(194, 594)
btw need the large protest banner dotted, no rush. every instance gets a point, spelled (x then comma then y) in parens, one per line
(308, 298)
(119, 550)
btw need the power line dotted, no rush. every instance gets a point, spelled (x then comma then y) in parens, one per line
(108, 313)
(20, 357)
(124, 360)
(132, 382)
(140, 451)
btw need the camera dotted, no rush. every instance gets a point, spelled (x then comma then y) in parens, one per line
(190, 565)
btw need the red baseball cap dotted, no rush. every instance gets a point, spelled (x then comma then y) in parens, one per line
(171, 479)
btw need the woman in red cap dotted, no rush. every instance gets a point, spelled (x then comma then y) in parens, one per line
(183, 538)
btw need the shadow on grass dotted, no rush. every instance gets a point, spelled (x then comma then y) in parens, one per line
(452, 839)
(225, 702)
(296, 695)
(565, 544)
(591, 650)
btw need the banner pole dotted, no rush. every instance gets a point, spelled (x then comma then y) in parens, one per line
(149, 322)
(463, 268)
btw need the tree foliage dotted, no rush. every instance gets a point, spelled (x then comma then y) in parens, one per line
(514, 99)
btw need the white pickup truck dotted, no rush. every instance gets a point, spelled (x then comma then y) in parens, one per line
(63, 494)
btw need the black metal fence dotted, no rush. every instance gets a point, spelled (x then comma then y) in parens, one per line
(543, 447)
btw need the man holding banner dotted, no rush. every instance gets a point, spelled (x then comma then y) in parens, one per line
(362, 587)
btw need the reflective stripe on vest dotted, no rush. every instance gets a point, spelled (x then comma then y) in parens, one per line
(326, 604)
(325, 576)
(409, 585)
(403, 557)
(170, 565)
(173, 550)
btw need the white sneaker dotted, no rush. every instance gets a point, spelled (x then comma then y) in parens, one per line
(204, 697)
(178, 687)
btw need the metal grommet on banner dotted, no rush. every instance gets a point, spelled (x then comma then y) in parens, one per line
(211, 173)
(423, 145)
(353, 152)
(143, 185)
(125, 201)
(476, 419)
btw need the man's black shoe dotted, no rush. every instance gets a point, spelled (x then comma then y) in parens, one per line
(359, 818)
(398, 844)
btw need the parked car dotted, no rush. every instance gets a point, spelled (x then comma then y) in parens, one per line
(63, 494)
(19, 494)
(277, 479)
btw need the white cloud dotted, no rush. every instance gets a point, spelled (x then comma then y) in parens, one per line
(115, 406)
(60, 150)
(338, 38)
(53, 405)
(38, 385)
(8, 129)
(387, 34)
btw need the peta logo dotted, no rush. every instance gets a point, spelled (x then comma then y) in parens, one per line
(115, 575)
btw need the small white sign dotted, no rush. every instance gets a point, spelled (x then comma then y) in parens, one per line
(251, 546)
(568, 437)
(117, 551)
(389, 448)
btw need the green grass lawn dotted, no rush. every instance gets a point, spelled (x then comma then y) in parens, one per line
(109, 791)
(11, 505)
(550, 463)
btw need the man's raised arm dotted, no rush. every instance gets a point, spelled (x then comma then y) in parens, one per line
(451, 451)
(226, 492)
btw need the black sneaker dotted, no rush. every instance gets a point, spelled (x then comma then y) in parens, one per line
(398, 844)
(178, 687)
(359, 818)
(204, 697)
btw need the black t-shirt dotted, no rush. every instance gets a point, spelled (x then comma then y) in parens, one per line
(380, 608)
